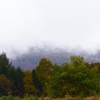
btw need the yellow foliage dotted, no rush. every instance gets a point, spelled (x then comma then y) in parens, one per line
(28, 83)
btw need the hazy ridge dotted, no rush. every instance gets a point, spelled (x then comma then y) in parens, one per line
(31, 58)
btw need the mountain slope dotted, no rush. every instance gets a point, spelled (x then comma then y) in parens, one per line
(30, 59)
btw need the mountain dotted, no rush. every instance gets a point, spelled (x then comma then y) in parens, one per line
(29, 60)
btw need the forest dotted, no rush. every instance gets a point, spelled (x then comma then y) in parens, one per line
(76, 78)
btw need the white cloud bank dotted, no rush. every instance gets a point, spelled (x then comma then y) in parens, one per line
(72, 23)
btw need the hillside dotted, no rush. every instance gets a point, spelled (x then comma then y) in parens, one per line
(30, 59)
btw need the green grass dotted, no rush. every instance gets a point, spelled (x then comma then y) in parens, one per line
(10, 97)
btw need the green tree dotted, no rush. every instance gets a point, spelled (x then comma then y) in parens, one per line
(13, 74)
(43, 71)
(96, 64)
(37, 82)
(74, 79)
(5, 64)
(81, 78)
(16, 76)
(54, 83)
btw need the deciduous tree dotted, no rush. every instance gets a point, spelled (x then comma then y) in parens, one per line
(43, 71)
(74, 79)
(28, 83)
(5, 85)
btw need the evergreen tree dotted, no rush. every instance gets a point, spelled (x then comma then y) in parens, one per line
(5, 64)
(37, 82)
(16, 76)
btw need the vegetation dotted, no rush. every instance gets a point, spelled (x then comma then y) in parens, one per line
(28, 83)
(75, 79)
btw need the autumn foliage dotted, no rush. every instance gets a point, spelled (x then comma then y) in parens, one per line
(76, 78)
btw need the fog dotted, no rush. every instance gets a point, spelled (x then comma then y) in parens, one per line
(58, 23)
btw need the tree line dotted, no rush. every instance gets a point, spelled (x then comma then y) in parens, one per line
(75, 78)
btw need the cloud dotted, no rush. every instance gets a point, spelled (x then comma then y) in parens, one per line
(71, 23)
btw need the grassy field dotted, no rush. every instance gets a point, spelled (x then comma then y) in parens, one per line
(47, 98)
(71, 98)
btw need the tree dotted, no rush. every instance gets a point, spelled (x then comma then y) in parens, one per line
(16, 76)
(28, 83)
(13, 74)
(37, 82)
(5, 64)
(96, 64)
(74, 79)
(5, 85)
(54, 83)
(81, 78)
(43, 71)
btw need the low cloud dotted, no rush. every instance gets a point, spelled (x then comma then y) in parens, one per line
(73, 24)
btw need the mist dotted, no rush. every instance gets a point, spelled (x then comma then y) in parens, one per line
(67, 24)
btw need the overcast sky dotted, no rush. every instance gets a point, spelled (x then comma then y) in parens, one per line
(62, 23)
